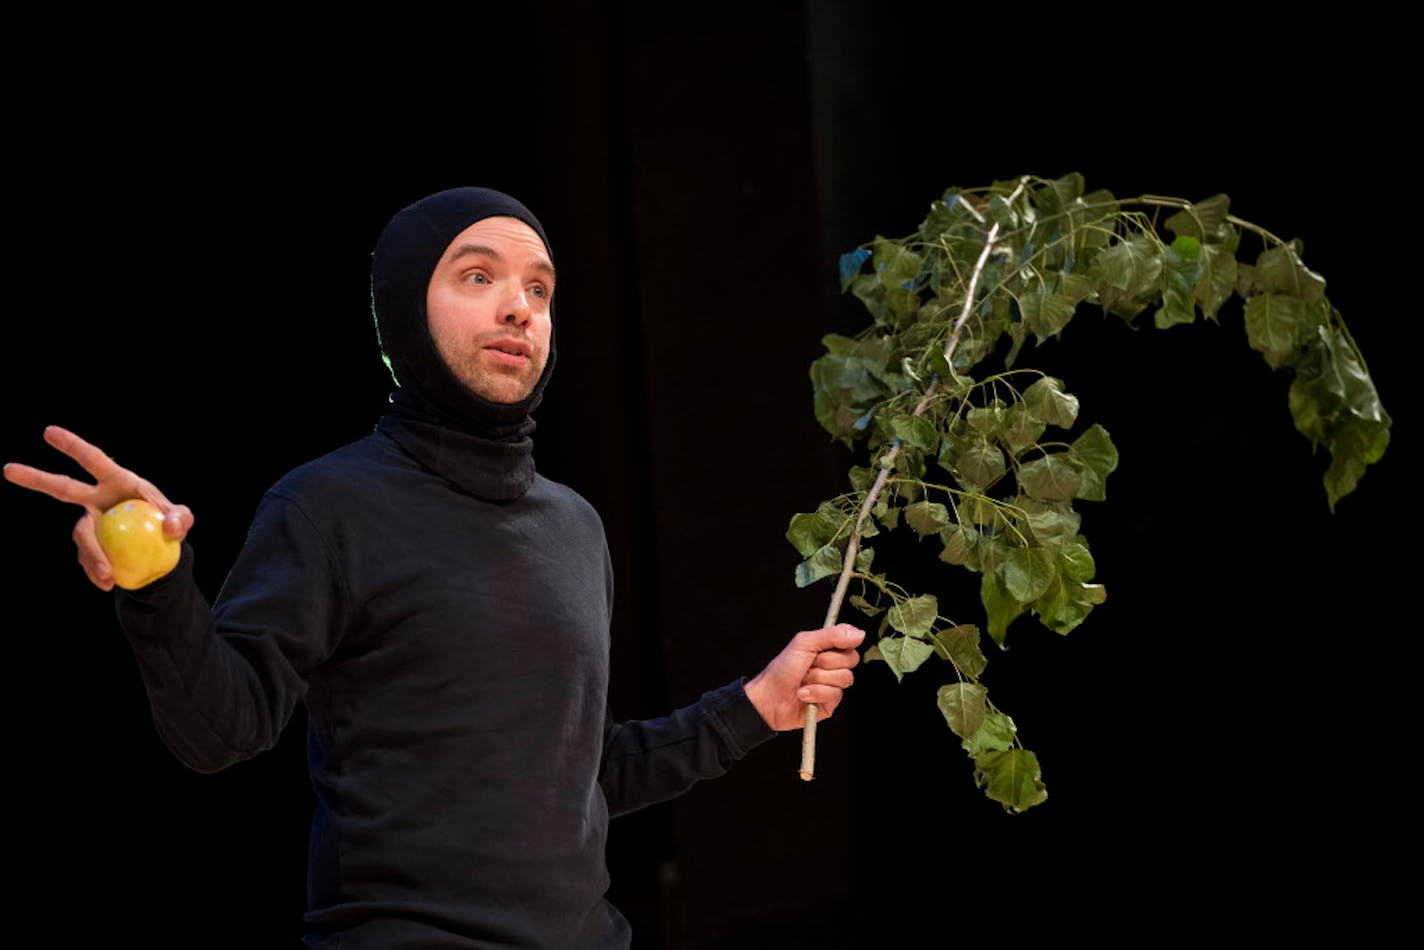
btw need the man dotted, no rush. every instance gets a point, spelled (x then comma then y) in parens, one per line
(443, 612)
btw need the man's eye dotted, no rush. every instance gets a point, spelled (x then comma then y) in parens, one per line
(539, 291)
(479, 279)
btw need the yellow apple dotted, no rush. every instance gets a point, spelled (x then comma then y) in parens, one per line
(131, 534)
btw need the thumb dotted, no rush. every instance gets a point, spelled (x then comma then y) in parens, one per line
(841, 636)
(177, 522)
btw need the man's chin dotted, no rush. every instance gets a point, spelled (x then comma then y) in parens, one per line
(503, 395)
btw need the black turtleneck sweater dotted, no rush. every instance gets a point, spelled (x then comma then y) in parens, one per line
(452, 654)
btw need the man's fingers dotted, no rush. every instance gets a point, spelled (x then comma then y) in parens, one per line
(841, 636)
(60, 487)
(91, 555)
(826, 698)
(839, 678)
(90, 457)
(836, 659)
(149, 492)
(177, 522)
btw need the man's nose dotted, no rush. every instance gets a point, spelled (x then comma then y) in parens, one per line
(516, 309)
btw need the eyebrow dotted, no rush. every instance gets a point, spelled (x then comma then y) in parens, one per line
(465, 250)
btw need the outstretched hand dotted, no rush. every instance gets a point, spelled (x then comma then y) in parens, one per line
(112, 484)
(815, 667)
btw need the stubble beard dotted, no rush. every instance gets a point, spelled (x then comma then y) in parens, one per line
(494, 386)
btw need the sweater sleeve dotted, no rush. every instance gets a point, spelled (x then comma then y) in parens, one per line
(223, 680)
(652, 760)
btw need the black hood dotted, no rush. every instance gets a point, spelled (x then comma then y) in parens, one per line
(404, 259)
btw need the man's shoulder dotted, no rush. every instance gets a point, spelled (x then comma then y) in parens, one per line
(565, 497)
(339, 469)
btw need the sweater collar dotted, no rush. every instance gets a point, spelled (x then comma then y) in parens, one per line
(487, 468)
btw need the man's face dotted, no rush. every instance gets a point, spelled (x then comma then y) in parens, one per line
(488, 308)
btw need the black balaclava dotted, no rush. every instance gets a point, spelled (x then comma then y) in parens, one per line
(484, 446)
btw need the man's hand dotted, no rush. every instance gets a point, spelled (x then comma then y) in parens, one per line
(815, 668)
(112, 484)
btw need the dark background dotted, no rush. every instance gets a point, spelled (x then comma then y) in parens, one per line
(1224, 741)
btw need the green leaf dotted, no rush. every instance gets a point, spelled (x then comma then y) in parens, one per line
(810, 531)
(1354, 445)
(1097, 458)
(1048, 403)
(1002, 213)
(963, 707)
(868, 290)
(995, 734)
(1203, 218)
(1012, 778)
(840, 345)
(1075, 561)
(926, 517)
(1311, 414)
(804, 534)
(1057, 476)
(864, 606)
(907, 491)
(845, 385)
(916, 616)
(943, 216)
(862, 477)
(1027, 573)
(1051, 523)
(939, 365)
(903, 302)
(825, 562)
(888, 516)
(1020, 429)
(1067, 603)
(1089, 219)
(915, 430)
(1216, 279)
(1279, 270)
(1001, 608)
(863, 558)
(904, 654)
(1058, 194)
(1333, 402)
(1272, 325)
(980, 465)
(959, 541)
(1180, 273)
(1347, 378)
(895, 265)
(911, 461)
(960, 645)
(1131, 267)
(1187, 247)
(986, 420)
(1046, 312)
(982, 511)
(1075, 287)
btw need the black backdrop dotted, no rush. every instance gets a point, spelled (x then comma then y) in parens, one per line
(1221, 740)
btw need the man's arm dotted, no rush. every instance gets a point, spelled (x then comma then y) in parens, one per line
(221, 686)
(223, 681)
(653, 760)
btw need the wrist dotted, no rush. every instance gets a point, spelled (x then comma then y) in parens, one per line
(759, 696)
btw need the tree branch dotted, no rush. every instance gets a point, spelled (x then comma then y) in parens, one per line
(808, 732)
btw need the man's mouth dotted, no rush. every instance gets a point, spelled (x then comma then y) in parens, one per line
(512, 352)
